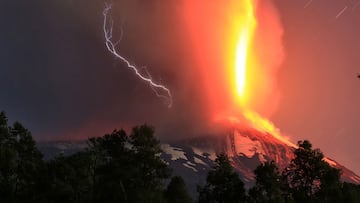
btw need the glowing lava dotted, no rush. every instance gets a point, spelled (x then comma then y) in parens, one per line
(237, 49)
(242, 49)
(242, 63)
(264, 125)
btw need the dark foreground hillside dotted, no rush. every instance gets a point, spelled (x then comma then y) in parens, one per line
(135, 167)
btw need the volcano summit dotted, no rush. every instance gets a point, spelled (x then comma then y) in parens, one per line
(247, 149)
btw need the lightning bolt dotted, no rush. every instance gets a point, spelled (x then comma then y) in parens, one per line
(160, 90)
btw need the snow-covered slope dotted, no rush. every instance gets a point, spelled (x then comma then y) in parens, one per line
(247, 148)
(193, 158)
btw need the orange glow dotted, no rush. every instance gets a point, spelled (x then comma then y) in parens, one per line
(246, 32)
(264, 125)
(237, 50)
(242, 64)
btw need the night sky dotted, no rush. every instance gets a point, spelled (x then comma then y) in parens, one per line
(59, 80)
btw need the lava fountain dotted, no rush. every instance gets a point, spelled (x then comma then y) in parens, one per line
(244, 36)
(246, 31)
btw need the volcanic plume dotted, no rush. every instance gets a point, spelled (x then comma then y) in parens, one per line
(238, 50)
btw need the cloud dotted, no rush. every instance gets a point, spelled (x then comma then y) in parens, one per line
(62, 82)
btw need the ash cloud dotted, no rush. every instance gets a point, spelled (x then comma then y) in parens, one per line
(269, 50)
(61, 82)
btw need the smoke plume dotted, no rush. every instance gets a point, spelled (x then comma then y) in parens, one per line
(79, 90)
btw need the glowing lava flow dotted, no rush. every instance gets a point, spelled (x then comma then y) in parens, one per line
(111, 46)
(264, 125)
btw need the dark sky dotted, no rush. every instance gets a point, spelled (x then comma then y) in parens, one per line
(318, 79)
(58, 79)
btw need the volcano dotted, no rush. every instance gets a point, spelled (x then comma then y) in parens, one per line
(192, 158)
(246, 147)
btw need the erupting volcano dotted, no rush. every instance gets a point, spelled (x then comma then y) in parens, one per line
(238, 55)
(238, 59)
(182, 82)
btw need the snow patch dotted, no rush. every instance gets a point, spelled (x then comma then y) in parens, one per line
(191, 164)
(209, 153)
(174, 152)
(199, 161)
(187, 165)
(198, 151)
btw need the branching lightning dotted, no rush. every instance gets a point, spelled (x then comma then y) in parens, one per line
(160, 90)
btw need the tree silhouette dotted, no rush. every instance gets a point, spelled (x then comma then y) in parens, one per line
(350, 192)
(223, 184)
(110, 166)
(330, 185)
(69, 178)
(309, 177)
(128, 168)
(176, 191)
(20, 163)
(268, 184)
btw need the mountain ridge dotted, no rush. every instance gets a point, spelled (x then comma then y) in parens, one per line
(192, 158)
